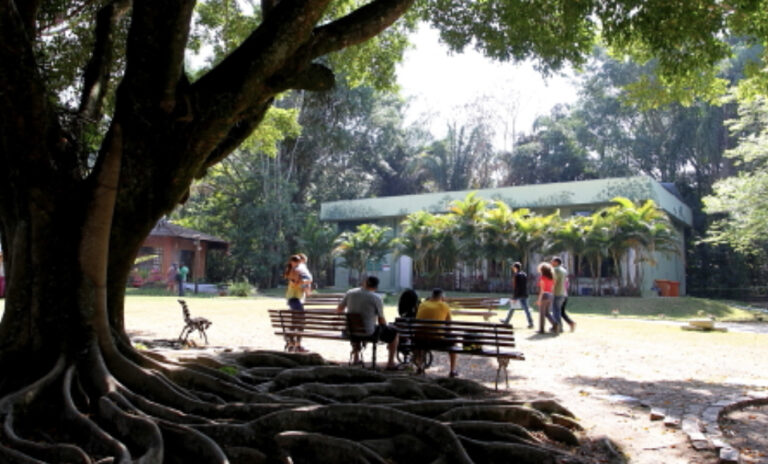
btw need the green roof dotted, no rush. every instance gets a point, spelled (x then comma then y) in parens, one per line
(587, 193)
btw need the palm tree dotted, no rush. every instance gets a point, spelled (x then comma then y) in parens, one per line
(417, 239)
(530, 232)
(645, 229)
(469, 215)
(499, 234)
(451, 162)
(444, 248)
(369, 243)
(597, 238)
(567, 236)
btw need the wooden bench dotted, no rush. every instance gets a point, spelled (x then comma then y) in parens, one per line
(324, 324)
(482, 306)
(323, 299)
(463, 338)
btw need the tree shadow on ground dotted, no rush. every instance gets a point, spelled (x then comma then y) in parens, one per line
(678, 397)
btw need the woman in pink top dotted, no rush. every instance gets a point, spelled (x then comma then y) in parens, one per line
(546, 282)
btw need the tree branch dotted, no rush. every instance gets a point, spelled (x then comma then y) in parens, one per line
(28, 11)
(155, 51)
(315, 77)
(267, 6)
(24, 96)
(96, 75)
(358, 26)
(241, 76)
(236, 136)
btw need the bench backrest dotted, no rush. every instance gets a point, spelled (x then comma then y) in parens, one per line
(477, 333)
(291, 321)
(323, 299)
(317, 322)
(473, 302)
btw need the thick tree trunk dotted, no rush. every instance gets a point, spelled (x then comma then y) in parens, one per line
(72, 221)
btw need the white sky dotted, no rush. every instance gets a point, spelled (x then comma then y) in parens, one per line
(439, 85)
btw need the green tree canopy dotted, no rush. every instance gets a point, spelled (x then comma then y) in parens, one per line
(104, 129)
(740, 203)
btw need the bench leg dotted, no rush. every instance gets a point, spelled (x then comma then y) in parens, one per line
(422, 359)
(503, 364)
(356, 354)
(373, 355)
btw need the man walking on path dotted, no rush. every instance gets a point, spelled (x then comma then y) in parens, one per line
(519, 293)
(364, 301)
(559, 292)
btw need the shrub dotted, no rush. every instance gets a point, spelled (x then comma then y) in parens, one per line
(241, 288)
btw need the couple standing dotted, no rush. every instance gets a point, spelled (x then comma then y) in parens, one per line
(553, 293)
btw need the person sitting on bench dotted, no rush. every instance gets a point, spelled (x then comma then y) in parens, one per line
(435, 308)
(364, 301)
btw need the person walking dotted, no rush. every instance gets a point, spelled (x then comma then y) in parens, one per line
(566, 318)
(544, 302)
(559, 292)
(519, 294)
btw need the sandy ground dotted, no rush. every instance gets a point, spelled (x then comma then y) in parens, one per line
(604, 372)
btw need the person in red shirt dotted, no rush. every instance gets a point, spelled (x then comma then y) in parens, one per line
(546, 283)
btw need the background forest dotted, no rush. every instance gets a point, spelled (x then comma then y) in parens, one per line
(353, 142)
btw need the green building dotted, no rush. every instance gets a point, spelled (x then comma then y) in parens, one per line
(571, 198)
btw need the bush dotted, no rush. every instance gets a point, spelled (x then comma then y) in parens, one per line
(241, 288)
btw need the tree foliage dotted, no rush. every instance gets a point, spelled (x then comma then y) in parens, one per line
(739, 202)
(104, 130)
(368, 244)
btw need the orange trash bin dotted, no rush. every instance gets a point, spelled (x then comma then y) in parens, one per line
(674, 288)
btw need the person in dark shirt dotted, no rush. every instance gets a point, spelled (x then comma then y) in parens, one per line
(408, 303)
(519, 293)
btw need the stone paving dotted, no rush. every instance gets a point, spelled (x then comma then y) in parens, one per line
(698, 415)
(700, 419)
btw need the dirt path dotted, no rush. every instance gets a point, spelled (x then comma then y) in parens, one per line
(609, 372)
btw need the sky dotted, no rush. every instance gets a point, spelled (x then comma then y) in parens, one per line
(439, 84)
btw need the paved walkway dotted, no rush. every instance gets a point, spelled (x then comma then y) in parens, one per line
(698, 415)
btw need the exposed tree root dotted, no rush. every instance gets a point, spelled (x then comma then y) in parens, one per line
(277, 408)
(305, 447)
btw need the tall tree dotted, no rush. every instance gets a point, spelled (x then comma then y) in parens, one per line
(551, 153)
(101, 140)
(739, 202)
(460, 160)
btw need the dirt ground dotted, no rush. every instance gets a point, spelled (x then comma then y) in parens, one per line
(747, 429)
(609, 372)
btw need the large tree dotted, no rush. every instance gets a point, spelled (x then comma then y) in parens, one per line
(101, 134)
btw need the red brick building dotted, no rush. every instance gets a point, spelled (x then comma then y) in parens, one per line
(169, 243)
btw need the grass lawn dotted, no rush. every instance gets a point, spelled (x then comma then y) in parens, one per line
(681, 308)
(660, 308)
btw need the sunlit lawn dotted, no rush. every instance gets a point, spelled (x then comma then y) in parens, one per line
(681, 308)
